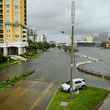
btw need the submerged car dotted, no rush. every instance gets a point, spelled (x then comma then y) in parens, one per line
(77, 83)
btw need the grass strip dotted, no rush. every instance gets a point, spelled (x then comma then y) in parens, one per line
(88, 99)
(31, 55)
(14, 80)
(8, 63)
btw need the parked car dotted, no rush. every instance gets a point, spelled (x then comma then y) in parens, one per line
(78, 83)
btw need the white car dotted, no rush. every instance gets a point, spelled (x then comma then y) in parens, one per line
(78, 83)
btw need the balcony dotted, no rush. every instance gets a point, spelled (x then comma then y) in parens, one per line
(1, 31)
(1, 40)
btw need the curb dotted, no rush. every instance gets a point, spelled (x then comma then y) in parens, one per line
(80, 68)
(100, 104)
(52, 98)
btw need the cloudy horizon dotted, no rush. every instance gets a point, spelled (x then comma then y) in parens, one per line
(53, 16)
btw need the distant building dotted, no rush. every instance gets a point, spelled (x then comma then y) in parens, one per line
(35, 37)
(42, 38)
(106, 44)
(89, 38)
(13, 32)
(102, 37)
(88, 41)
(32, 35)
(52, 42)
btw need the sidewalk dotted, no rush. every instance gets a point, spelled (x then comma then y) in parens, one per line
(106, 104)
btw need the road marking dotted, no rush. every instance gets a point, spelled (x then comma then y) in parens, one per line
(43, 94)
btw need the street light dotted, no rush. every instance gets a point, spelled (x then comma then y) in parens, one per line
(72, 55)
(72, 46)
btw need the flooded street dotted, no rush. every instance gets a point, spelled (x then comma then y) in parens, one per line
(54, 65)
(36, 91)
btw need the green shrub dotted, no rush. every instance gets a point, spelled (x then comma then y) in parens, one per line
(3, 59)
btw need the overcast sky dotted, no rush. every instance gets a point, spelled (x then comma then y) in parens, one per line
(53, 16)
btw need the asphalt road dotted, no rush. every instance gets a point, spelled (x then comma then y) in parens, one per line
(55, 66)
(27, 95)
(35, 92)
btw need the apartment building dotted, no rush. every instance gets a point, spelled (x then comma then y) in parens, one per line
(13, 32)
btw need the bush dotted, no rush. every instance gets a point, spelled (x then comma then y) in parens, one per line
(3, 59)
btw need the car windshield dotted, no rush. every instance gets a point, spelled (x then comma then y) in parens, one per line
(76, 82)
(83, 80)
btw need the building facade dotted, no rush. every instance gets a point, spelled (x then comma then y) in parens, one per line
(13, 32)
(103, 37)
(42, 38)
(89, 38)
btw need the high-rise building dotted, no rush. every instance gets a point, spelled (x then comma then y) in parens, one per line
(32, 35)
(102, 37)
(13, 32)
(42, 38)
(89, 38)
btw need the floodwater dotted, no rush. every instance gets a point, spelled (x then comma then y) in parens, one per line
(54, 65)
(102, 67)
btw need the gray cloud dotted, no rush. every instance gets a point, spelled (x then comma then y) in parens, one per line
(51, 16)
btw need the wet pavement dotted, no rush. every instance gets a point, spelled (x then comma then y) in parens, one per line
(36, 91)
(27, 95)
(54, 65)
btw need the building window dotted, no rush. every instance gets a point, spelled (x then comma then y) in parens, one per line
(7, 28)
(16, 11)
(7, 5)
(24, 40)
(17, 36)
(24, 36)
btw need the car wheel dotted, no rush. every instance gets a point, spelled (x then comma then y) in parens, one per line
(83, 87)
(68, 90)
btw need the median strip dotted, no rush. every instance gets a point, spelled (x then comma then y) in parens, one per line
(14, 80)
(87, 99)
(87, 71)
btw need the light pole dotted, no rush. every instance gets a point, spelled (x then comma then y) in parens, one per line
(72, 54)
(72, 46)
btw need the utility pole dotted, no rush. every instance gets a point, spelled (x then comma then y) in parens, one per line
(72, 54)
(34, 34)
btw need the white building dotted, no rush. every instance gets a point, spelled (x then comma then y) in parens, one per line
(89, 38)
(41, 38)
(36, 37)
(32, 35)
